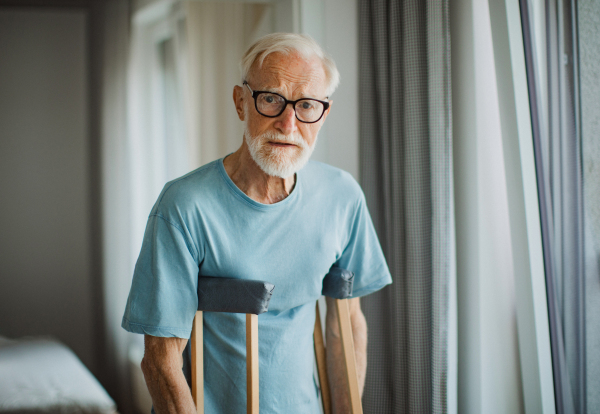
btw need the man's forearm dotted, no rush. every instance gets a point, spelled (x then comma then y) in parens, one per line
(165, 380)
(335, 359)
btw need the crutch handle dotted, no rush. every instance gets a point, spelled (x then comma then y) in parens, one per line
(223, 294)
(338, 283)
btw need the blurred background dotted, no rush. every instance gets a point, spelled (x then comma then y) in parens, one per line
(473, 127)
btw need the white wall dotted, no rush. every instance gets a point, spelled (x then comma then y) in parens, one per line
(45, 271)
(489, 378)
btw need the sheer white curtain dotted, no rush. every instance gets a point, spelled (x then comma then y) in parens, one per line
(157, 139)
(218, 33)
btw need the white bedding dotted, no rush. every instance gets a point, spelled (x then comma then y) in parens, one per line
(44, 376)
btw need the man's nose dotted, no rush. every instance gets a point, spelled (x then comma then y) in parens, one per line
(286, 122)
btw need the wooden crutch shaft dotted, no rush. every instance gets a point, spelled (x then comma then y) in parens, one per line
(322, 363)
(343, 314)
(252, 363)
(198, 363)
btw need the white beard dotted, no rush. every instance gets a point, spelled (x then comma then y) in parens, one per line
(278, 161)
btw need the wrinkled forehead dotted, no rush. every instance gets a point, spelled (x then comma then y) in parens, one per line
(292, 73)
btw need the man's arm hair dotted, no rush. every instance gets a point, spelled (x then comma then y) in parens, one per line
(340, 398)
(166, 383)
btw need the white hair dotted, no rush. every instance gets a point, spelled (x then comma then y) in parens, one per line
(287, 43)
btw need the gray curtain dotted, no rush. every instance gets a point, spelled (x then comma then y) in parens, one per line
(588, 33)
(557, 141)
(406, 173)
(562, 176)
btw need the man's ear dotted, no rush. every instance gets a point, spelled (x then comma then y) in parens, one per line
(238, 100)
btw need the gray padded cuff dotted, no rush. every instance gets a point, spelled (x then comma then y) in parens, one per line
(338, 283)
(223, 294)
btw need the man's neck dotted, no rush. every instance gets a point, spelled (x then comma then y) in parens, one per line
(253, 181)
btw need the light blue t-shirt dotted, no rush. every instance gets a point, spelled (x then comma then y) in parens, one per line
(203, 224)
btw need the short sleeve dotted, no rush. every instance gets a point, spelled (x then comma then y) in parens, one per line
(163, 298)
(363, 255)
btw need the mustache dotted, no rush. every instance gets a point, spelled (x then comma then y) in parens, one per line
(293, 139)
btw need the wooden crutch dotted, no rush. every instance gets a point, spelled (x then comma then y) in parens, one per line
(219, 294)
(337, 284)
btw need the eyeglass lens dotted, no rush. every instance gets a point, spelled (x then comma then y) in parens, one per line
(307, 110)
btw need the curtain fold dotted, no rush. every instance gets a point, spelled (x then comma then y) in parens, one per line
(406, 173)
(554, 97)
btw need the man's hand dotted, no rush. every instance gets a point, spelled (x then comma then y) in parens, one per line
(340, 399)
(162, 366)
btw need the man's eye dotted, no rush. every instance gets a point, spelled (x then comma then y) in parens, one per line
(270, 99)
(306, 105)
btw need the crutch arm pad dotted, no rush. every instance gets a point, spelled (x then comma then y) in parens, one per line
(222, 294)
(338, 283)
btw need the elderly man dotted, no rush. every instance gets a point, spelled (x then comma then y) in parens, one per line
(266, 213)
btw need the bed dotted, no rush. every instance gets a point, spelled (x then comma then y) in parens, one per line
(41, 375)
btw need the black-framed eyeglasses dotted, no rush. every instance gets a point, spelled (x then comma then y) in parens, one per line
(271, 105)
